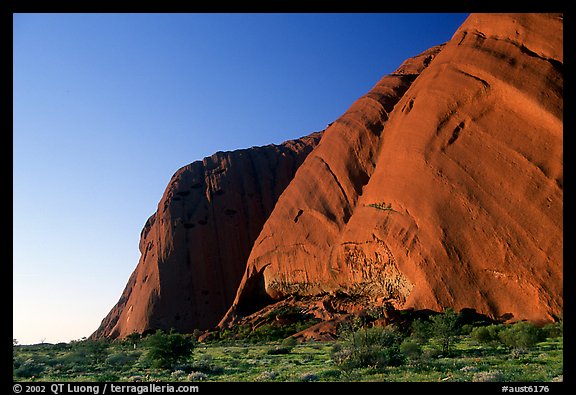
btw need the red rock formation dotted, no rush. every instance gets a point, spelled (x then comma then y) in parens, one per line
(437, 190)
(441, 187)
(194, 248)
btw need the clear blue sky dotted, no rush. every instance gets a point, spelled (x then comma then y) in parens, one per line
(108, 106)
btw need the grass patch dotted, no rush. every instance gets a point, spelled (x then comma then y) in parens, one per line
(471, 358)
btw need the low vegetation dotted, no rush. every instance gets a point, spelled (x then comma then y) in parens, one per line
(439, 348)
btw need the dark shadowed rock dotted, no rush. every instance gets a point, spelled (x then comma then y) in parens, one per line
(194, 248)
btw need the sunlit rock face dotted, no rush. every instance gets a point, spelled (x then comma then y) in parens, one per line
(441, 187)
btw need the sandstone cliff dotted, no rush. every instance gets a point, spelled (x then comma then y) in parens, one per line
(194, 248)
(441, 187)
(442, 192)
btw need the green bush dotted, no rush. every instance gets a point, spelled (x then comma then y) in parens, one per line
(279, 350)
(289, 342)
(121, 360)
(411, 348)
(554, 330)
(486, 334)
(165, 350)
(29, 369)
(443, 327)
(132, 340)
(92, 351)
(103, 377)
(205, 364)
(421, 330)
(73, 359)
(521, 335)
(374, 347)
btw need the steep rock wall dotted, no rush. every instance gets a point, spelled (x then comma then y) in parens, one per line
(442, 192)
(194, 248)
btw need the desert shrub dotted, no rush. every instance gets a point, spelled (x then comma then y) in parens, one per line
(197, 376)
(268, 332)
(521, 335)
(411, 348)
(279, 350)
(93, 351)
(205, 364)
(104, 377)
(120, 360)
(196, 333)
(443, 327)
(177, 374)
(285, 347)
(466, 329)
(167, 349)
(289, 342)
(28, 369)
(491, 376)
(61, 346)
(370, 347)
(421, 330)
(267, 375)
(132, 340)
(431, 353)
(486, 334)
(552, 331)
(309, 377)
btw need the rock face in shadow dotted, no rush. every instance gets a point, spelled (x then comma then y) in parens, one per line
(442, 187)
(194, 248)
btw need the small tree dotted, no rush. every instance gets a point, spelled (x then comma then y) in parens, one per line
(166, 350)
(132, 340)
(445, 327)
(95, 351)
(421, 331)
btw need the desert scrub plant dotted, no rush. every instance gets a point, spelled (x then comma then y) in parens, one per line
(490, 376)
(411, 348)
(29, 368)
(443, 327)
(487, 335)
(205, 364)
(382, 206)
(285, 347)
(267, 375)
(197, 376)
(93, 351)
(521, 335)
(553, 330)
(167, 349)
(121, 360)
(309, 377)
(374, 347)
